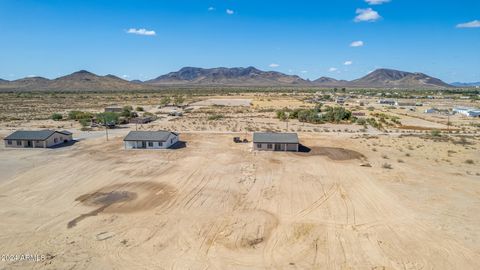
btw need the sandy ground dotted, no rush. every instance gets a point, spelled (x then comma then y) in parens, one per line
(217, 205)
(223, 102)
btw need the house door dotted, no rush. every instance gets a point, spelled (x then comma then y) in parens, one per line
(29, 144)
(277, 147)
(144, 144)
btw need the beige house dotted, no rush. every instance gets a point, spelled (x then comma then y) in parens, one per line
(37, 138)
(150, 139)
(268, 141)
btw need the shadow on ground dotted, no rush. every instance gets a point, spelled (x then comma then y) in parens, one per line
(304, 149)
(67, 144)
(179, 145)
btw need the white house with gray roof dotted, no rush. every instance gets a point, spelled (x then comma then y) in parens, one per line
(37, 138)
(150, 139)
(269, 141)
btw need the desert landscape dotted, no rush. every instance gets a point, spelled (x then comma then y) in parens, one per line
(238, 135)
(356, 196)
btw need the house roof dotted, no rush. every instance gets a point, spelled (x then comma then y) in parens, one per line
(34, 135)
(270, 137)
(158, 136)
(65, 132)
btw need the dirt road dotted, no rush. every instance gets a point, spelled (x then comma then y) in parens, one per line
(218, 205)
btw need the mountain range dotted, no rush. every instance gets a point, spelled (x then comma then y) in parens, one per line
(250, 76)
(460, 84)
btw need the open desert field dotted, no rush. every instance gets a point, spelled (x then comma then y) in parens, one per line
(218, 205)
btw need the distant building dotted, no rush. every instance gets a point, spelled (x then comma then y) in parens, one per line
(141, 120)
(150, 139)
(37, 138)
(358, 114)
(405, 104)
(431, 110)
(386, 102)
(114, 109)
(340, 100)
(470, 112)
(269, 141)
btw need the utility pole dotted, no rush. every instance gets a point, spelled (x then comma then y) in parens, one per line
(106, 126)
(286, 120)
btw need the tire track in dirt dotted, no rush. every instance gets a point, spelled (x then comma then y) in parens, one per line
(317, 203)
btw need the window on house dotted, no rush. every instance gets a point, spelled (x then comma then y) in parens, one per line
(55, 140)
(160, 144)
(9, 142)
(259, 145)
(269, 146)
(150, 144)
(19, 142)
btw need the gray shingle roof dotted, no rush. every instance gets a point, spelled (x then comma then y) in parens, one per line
(158, 136)
(34, 135)
(269, 137)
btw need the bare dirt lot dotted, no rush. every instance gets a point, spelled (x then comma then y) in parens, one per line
(218, 205)
(223, 102)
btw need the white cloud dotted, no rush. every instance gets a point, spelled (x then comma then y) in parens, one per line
(141, 31)
(304, 71)
(229, 11)
(357, 43)
(376, 2)
(348, 63)
(273, 65)
(211, 8)
(366, 15)
(472, 24)
(125, 76)
(332, 69)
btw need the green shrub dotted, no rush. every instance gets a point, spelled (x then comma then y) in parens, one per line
(84, 122)
(435, 133)
(139, 109)
(215, 117)
(78, 115)
(469, 161)
(57, 116)
(108, 117)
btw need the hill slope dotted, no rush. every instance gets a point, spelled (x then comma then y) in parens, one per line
(226, 76)
(390, 78)
(460, 84)
(77, 81)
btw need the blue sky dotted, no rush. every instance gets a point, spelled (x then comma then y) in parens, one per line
(140, 39)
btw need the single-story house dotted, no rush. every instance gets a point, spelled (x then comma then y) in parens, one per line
(470, 112)
(386, 102)
(270, 141)
(37, 138)
(405, 104)
(141, 120)
(150, 139)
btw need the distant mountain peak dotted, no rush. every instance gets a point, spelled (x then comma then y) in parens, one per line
(82, 72)
(226, 76)
(392, 78)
